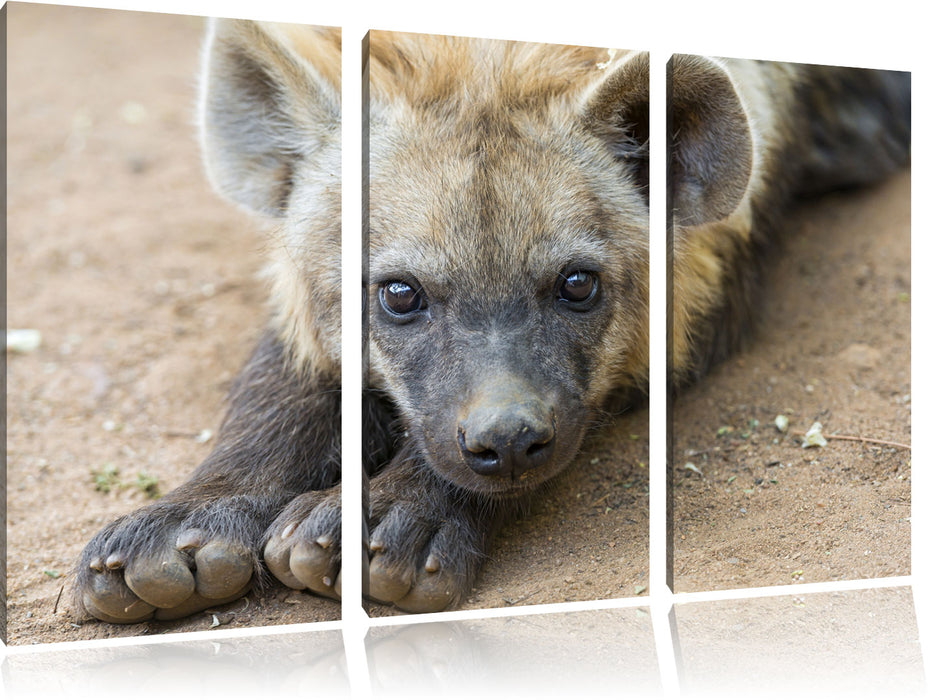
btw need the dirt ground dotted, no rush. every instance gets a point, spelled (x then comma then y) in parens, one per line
(834, 349)
(144, 286)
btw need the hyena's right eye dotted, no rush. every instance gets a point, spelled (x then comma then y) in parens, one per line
(400, 298)
(578, 289)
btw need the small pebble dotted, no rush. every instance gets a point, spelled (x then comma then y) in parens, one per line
(813, 437)
(221, 619)
(23, 340)
(132, 112)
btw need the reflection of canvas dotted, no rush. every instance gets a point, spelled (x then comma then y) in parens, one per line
(752, 506)
(507, 220)
(854, 642)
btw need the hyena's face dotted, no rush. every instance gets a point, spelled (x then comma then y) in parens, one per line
(508, 276)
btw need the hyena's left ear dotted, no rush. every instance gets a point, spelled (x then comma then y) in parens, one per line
(268, 100)
(617, 110)
(710, 152)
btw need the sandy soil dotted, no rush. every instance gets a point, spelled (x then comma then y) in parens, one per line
(834, 349)
(144, 286)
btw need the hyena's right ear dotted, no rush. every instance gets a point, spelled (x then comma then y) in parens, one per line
(617, 110)
(268, 100)
(710, 149)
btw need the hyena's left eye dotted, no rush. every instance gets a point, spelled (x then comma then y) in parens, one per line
(400, 298)
(578, 289)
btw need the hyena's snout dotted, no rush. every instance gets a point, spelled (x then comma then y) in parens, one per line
(506, 429)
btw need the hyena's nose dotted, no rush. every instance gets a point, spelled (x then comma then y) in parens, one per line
(506, 438)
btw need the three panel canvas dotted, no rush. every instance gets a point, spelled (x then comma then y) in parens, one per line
(174, 305)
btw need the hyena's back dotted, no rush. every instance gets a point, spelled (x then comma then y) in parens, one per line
(857, 125)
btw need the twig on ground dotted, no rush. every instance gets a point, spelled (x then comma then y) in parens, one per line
(859, 438)
(57, 599)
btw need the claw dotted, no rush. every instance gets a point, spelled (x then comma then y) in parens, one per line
(190, 539)
(314, 568)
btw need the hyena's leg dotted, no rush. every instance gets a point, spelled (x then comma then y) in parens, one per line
(198, 546)
(427, 539)
(303, 545)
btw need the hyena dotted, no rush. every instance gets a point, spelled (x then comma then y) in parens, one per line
(508, 193)
(744, 139)
(506, 286)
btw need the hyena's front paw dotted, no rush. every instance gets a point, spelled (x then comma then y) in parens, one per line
(303, 548)
(425, 549)
(411, 565)
(167, 561)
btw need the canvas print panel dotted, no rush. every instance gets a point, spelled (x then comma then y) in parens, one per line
(789, 188)
(507, 322)
(142, 286)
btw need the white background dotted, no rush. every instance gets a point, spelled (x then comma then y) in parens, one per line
(895, 35)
